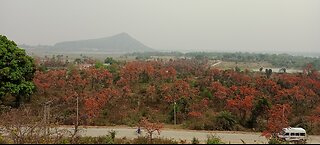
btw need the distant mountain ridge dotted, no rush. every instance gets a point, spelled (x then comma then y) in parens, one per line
(120, 43)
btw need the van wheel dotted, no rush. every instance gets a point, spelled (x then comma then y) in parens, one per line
(300, 142)
(304, 141)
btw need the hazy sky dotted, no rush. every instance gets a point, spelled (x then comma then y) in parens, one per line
(215, 25)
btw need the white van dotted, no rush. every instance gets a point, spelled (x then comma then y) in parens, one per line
(293, 134)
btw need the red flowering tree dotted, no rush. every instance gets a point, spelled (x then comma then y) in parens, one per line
(167, 73)
(278, 119)
(218, 90)
(97, 101)
(150, 127)
(242, 107)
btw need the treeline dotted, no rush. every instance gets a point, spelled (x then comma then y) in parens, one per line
(277, 60)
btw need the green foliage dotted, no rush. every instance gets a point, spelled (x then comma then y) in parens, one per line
(274, 140)
(112, 134)
(212, 139)
(237, 69)
(95, 140)
(112, 68)
(110, 138)
(207, 122)
(144, 77)
(110, 60)
(260, 108)
(16, 73)
(98, 64)
(2, 140)
(201, 124)
(64, 141)
(42, 68)
(206, 93)
(146, 140)
(316, 64)
(225, 121)
(141, 140)
(195, 140)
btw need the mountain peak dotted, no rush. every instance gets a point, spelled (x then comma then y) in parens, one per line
(122, 35)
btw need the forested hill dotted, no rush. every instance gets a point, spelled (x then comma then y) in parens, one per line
(122, 42)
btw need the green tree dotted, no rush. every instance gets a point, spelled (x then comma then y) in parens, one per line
(110, 60)
(16, 73)
(268, 73)
(98, 64)
(260, 108)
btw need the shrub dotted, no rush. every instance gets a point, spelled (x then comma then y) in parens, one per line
(200, 125)
(225, 121)
(95, 140)
(2, 140)
(112, 134)
(164, 141)
(274, 140)
(150, 127)
(212, 139)
(141, 140)
(146, 140)
(206, 122)
(195, 141)
(64, 141)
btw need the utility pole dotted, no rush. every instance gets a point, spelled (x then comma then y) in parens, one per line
(46, 119)
(48, 111)
(77, 123)
(174, 113)
(283, 118)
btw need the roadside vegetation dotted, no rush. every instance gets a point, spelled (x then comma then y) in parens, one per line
(214, 140)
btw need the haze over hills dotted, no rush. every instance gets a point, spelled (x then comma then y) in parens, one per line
(120, 43)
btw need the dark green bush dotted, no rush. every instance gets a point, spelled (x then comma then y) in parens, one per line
(108, 139)
(225, 121)
(274, 140)
(2, 140)
(95, 140)
(212, 139)
(200, 124)
(146, 140)
(195, 141)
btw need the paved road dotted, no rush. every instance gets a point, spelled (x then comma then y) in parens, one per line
(177, 134)
(219, 61)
